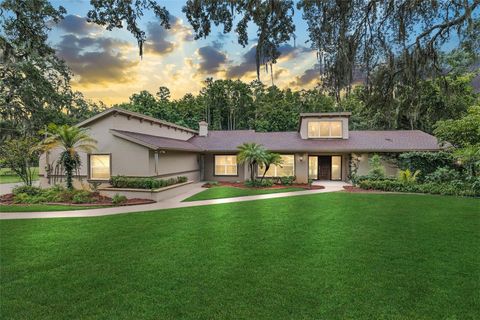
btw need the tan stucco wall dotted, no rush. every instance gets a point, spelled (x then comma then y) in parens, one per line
(174, 163)
(131, 159)
(305, 121)
(122, 122)
(363, 165)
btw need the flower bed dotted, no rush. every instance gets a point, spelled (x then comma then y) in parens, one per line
(452, 188)
(26, 195)
(275, 186)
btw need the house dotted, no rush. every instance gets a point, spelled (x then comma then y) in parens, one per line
(323, 148)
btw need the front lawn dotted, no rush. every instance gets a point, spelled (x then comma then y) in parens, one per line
(230, 192)
(43, 207)
(323, 256)
(8, 176)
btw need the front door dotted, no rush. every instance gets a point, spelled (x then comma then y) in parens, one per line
(324, 167)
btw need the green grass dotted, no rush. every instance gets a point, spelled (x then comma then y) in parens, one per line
(230, 192)
(323, 256)
(8, 176)
(43, 207)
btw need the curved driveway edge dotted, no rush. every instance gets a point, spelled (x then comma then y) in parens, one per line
(167, 204)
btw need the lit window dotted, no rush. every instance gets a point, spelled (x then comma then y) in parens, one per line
(99, 166)
(325, 129)
(336, 168)
(225, 165)
(286, 169)
(313, 167)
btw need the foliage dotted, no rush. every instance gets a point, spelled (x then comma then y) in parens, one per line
(273, 19)
(407, 176)
(94, 185)
(252, 154)
(144, 183)
(35, 88)
(402, 40)
(443, 175)
(457, 188)
(117, 14)
(464, 135)
(119, 199)
(425, 162)
(35, 195)
(71, 141)
(377, 170)
(460, 132)
(27, 189)
(266, 183)
(288, 180)
(21, 156)
(270, 158)
(82, 196)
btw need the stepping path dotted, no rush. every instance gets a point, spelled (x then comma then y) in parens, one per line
(175, 202)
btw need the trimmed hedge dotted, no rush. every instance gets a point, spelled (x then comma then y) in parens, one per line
(144, 183)
(456, 188)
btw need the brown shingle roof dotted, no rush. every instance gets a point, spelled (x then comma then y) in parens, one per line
(156, 142)
(375, 141)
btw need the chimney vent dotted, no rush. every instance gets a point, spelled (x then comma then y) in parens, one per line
(202, 129)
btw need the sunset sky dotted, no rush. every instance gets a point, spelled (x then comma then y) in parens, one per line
(107, 66)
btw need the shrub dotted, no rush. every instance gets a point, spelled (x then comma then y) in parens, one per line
(287, 181)
(29, 190)
(407, 176)
(144, 183)
(266, 183)
(443, 174)
(458, 188)
(426, 162)
(377, 170)
(118, 199)
(82, 196)
(182, 179)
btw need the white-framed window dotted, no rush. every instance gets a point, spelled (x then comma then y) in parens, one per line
(286, 169)
(100, 166)
(226, 165)
(325, 129)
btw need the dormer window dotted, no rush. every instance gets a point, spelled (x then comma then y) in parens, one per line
(325, 129)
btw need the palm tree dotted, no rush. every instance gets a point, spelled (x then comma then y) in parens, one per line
(70, 140)
(270, 159)
(253, 154)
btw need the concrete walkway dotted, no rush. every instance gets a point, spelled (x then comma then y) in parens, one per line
(167, 204)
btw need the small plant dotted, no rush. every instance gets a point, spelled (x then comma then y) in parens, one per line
(182, 179)
(407, 176)
(310, 181)
(29, 190)
(118, 199)
(266, 183)
(82, 197)
(377, 170)
(287, 181)
(94, 185)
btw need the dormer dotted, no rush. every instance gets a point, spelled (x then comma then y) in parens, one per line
(329, 125)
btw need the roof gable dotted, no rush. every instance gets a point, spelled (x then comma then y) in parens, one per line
(127, 113)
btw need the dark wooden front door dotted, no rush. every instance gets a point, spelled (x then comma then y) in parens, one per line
(324, 167)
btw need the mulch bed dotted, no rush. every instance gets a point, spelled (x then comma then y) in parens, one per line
(275, 186)
(7, 199)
